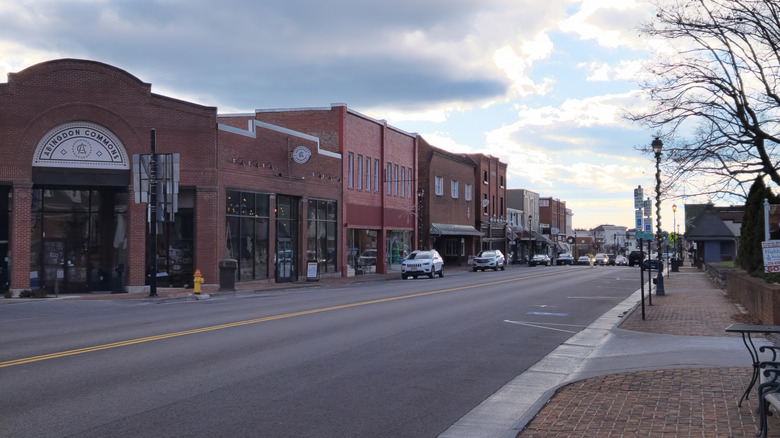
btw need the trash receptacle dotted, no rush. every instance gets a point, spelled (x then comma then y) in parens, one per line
(675, 265)
(227, 274)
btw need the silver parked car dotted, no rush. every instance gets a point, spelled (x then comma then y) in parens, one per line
(419, 262)
(489, 259)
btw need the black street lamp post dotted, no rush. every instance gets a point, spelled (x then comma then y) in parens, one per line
(420, 221)
(658, 145)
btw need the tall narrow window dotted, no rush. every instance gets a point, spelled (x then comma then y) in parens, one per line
(368, 174)
(485, 203)
(395, 180)
(350, 174)
(484, 177)
(467, 192)
(403, 181)
(439, 185)
(454, 189)
(360, 172)
(376, 174)
(389, 179)
(410, 178)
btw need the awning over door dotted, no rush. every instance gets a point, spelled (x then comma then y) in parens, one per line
(453, 230)
(541, 237)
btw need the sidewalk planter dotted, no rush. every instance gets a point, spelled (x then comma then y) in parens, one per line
(760, 298)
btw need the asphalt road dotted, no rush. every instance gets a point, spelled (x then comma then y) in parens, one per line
(372, 359)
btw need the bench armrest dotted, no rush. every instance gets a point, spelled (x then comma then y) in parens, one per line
(770, 371)
(771, 348)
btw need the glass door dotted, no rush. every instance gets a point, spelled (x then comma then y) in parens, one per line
(286, 239)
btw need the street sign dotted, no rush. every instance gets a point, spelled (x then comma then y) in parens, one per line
(638, 195)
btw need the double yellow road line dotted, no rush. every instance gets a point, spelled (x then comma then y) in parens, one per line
(246, 322)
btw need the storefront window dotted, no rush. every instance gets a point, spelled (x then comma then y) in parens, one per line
(321, 235)
(78, 239)
(246, 233)
(399, 244)
(361, 251)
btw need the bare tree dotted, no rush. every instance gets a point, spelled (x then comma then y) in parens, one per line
(715, 99)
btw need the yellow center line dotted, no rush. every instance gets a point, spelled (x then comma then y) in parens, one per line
(247, 322)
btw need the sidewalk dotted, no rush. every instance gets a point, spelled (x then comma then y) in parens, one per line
(671, 396)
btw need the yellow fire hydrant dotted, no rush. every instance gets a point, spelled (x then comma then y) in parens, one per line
(197, 281)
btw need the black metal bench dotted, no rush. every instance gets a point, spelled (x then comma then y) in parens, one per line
(768, 388)
(766, 373)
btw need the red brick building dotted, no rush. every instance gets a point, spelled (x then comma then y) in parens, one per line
(75, 134)
(447, 203)
(379, 168)
(490, 202)
(552, 220)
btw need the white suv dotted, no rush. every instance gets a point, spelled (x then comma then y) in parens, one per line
(422, 263)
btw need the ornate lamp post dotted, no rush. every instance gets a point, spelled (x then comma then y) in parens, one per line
(658, 145)
(677, 234)
(420, 194)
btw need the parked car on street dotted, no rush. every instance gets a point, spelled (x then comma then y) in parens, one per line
(612, 258)
(565, 259)
(653, 264)
(635, 258)
(489, 259)
(540, 259)
(621, 260)
(601, 259)
(418, 263)
(583, 260)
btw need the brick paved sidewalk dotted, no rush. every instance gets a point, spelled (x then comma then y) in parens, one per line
(680, 402)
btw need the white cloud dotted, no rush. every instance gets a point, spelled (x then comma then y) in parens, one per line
(598, 110)
(625, 70)
(605, 21)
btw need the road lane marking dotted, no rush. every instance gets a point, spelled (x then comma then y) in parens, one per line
(248, 322)
(546, 326)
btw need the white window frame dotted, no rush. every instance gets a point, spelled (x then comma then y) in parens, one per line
(368, 174)
(395, 180)
(389, 179)
(360, 172)
(454, 189)
(376, 174)
(350, 170)
(467, 192)
(439, 185)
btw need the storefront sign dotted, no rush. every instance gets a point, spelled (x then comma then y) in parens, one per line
(81, 145)
(301, 154)
(771, 250)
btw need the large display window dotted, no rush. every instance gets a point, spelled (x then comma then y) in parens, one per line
(246, 233)
(78, 239)
(321, 235)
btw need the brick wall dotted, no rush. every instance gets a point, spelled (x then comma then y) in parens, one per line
(760, 298)
(53, 93)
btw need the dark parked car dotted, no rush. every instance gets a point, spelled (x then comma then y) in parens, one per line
(565, 259)
(635, 258)
(540, 259)
(653, 264)
(611, 259)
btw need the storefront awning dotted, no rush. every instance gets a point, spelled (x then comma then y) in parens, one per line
(453, 230)
(538, 236)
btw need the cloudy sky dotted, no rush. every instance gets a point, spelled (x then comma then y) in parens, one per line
(539, 84)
